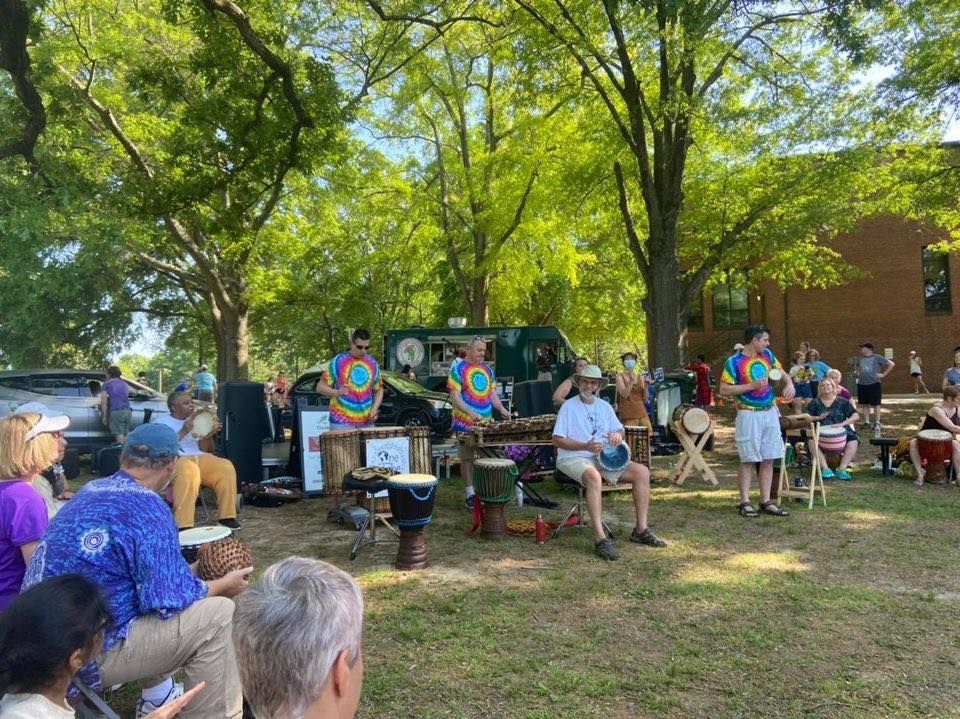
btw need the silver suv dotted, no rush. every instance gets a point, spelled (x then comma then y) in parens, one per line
(75, 393)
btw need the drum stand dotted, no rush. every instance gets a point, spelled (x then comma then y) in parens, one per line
(692, 457)
(369, 522)
(785, 489)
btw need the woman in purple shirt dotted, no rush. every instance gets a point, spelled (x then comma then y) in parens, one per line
(28, 445)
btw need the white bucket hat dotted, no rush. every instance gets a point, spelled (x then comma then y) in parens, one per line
(591, 371)
(50, 421)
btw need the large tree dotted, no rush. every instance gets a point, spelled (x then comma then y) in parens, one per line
(682, 84)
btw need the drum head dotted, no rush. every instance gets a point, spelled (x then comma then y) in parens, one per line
(614, 457)
(203, 422)
(935, 435)
(696, 420)
(411, 480)
(776, 375)
(493, 462)
(202, 535)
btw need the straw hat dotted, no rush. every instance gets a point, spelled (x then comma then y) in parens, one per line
(591, 371)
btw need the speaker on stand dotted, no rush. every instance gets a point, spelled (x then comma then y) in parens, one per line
(240, 409)
(533, 397)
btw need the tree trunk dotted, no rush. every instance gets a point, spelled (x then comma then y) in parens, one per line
(480, 301)
(233, 347)
(666, 334)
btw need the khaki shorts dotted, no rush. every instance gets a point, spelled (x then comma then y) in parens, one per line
(574, 467)
(120, 421)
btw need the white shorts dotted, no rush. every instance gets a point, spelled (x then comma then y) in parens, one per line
(574, 467)
(758, 435)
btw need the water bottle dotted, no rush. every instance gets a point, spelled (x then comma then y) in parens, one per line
(541, 529)
(877, 433)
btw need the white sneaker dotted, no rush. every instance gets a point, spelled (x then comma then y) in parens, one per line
(144, 707)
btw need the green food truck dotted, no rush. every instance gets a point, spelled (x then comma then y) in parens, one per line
(516, 354)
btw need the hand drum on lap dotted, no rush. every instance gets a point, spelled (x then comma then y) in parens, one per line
(832, 439)
(217, 559)
(203, 424)
(614, 457)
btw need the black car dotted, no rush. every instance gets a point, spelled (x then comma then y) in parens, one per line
(405, 403)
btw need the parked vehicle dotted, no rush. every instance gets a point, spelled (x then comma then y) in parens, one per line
(75, 393)
(405, 403)
(516, 354)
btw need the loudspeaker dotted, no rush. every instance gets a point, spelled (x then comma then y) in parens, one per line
(106, 460)
(240, 408)
(533, 397)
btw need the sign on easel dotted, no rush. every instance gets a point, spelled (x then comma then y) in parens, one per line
(312, 423)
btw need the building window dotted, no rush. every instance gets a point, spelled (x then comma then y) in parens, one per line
(730, 307)
(936, 282)
(695, 313)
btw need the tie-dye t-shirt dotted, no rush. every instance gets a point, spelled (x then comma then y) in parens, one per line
(475, 385)
(361, 377)
(741, 369)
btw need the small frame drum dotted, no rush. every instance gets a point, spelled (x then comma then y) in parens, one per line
(421, 459)
(192, 539)
(935, 446)
(494, 479)
(203, 423)
(411, 502)
(341, 455)
(693, 419)
(613, 458)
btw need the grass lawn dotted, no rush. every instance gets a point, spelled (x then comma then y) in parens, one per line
(843, 611)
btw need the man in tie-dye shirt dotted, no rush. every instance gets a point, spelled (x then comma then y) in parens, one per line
(746, 378)
(473, 391)
(352, 382)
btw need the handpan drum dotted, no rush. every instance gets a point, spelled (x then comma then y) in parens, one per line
(935, 446)
(411, 503)
(494, 480)
(692, 419)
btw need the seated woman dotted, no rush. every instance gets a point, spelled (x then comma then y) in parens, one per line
(800, 376)
(842, 391)
(945, 415)
(832, 410)
(46, 635)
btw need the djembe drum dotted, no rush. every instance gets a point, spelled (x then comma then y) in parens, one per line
(832, 443)
(935, 446)
(191, 540)
(638, 440)
(411, 503)
(494, 480)
(217, 559)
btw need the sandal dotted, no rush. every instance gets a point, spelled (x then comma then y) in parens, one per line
(605, 550)
(769, 507)
(746, 510)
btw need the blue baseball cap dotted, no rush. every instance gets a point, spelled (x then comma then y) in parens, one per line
(153, 441)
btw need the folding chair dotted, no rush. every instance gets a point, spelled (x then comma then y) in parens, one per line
(92, 705)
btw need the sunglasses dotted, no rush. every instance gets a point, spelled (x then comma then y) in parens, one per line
(361, 347)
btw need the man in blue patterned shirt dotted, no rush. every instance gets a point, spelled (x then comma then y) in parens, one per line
(120, 534)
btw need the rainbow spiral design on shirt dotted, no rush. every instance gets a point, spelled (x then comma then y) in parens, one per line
(475, 384)
(741, 369)
(361, 377)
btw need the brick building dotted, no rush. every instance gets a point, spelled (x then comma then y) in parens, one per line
(904, 302)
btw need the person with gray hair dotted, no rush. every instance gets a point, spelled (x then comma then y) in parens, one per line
(297, 635)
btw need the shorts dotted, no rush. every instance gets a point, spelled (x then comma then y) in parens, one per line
(574, 467)
(758, 435)
(869, 394)
(205, 395)
(120, 421)
(916, 374)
